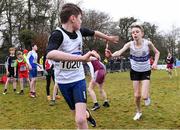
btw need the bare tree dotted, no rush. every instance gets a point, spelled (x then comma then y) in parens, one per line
(2, 6)
(124, 25)
(172, 40)
(11, 12)
(53, 14)
(95, 20)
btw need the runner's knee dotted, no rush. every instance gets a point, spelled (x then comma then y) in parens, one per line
(137, 97)
(80, 120)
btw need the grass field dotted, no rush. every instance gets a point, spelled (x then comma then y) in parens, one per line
(23, 112)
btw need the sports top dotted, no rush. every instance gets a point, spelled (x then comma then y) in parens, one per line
(139, 57)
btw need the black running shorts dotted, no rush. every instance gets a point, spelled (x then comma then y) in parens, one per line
(138, 76)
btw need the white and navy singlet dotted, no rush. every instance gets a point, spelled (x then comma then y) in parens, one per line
(68, 71)
(139, 57)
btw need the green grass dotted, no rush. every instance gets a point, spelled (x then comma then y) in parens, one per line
(23, 112)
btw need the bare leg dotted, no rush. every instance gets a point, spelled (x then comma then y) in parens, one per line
(170, 73)
(91, 91)
(137, 95)
(33, 84)
(145, 89)
(29, 81)
(81, 116)
(6, 84)
(14, 83)
(55, 89)
(32, 87)
(145, 92)
(21, 83)
(102, 92)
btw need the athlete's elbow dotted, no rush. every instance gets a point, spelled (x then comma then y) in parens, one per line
(49, 55)
(157, 52)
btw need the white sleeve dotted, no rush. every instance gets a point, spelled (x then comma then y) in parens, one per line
(91, 68)
(7, 63)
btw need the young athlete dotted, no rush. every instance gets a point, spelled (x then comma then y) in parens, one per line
(169, 61)
(32, 63)
(140, 65)
(98, 73)
(22, 67)
(10, 70)
(25, 80)
(65, 47)
(25, 52)
(49, 68)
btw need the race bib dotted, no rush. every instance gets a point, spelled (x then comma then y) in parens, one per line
(70, 65)
(22, 68)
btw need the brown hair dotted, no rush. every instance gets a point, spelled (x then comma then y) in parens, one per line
(33, 44)
(12, 49)
(68, 10)
(137, 25)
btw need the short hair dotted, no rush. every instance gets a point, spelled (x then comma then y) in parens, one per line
(68, 10)
(12, 49)
(137, 25)
(33, 44)
(19, 53)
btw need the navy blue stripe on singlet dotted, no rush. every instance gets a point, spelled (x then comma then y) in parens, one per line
(140, 59)
(77, 53)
